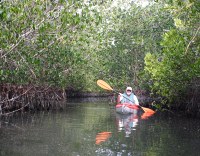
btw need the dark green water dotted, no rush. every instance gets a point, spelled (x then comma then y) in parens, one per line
(77, 131)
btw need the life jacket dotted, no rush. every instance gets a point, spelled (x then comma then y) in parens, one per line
(128, 99)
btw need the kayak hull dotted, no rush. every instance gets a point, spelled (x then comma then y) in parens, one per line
(126, 108)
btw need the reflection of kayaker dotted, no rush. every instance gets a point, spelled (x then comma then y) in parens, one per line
(127, 102)
(127, 122)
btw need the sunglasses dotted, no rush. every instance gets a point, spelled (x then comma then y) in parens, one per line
(129, 90)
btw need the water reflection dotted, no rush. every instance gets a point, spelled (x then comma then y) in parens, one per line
(127, 122)
(94, 129)
(102, 136)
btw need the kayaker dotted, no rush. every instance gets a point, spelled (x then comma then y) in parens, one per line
(128, 97)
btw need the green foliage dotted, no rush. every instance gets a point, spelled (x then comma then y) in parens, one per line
(48, 42)
(175, 68)
(140, 32)
(170, 74)
(71, 44)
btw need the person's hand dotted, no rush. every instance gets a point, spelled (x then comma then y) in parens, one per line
(120, 94)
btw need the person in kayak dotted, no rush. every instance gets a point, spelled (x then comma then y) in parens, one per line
(128, 97)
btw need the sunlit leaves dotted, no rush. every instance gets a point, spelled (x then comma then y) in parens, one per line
(178, 23)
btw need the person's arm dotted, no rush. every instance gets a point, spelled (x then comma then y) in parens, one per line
(136, 100)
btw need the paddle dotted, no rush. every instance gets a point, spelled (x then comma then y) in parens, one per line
(106, 86)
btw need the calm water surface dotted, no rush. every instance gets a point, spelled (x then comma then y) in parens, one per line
(94, 129)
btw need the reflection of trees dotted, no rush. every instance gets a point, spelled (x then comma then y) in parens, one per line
(73, 131)
(162, 134)
(167, 134)
(69, 131)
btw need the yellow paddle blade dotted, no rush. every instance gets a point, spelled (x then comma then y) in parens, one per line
(104, 85)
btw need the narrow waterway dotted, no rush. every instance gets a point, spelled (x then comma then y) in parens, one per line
(92, 128)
